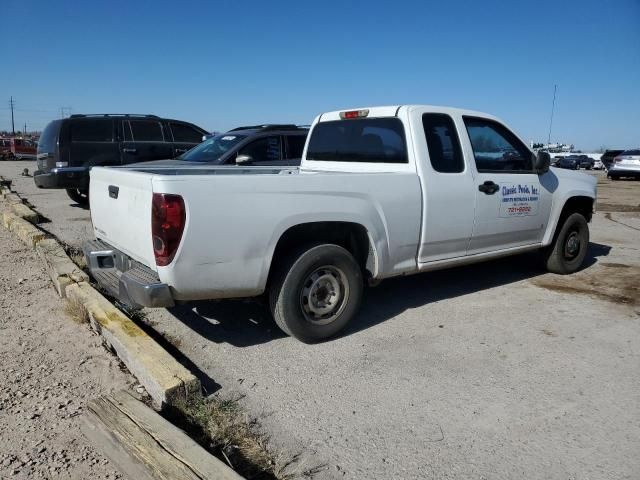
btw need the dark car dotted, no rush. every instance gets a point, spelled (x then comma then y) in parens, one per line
(69, 147)
(570, 161)
(267, 145)
(586, 162)
(608, 156)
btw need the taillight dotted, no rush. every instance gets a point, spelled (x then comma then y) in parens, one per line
(354, 114)
(167, 224)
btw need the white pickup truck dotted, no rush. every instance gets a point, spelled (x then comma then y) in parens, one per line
(381, 192)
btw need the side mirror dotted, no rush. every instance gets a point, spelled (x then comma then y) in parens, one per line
(244, 159)
(542, 162)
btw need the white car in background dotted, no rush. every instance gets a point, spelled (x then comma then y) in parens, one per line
(627, 164)
(598, 165)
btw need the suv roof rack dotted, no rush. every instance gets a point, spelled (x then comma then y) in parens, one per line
(80, 115)
(268, 126)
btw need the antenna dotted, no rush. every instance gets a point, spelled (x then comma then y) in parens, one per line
(553, 105)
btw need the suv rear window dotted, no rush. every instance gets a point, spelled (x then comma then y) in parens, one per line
(146, 131)
(185, 133)
(92, 130)
(375, 140)
(49, 138)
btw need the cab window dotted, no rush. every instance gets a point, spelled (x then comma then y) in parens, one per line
(373, 140)
(496, 149)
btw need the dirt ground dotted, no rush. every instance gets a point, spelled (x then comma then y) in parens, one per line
(497, 370)
(49, 368)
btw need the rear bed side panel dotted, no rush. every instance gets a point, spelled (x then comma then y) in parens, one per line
(122, 217)
(234, 223)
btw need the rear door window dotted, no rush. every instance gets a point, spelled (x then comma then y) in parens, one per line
(92, 130)
(442, 140)
(185, 134)
(295, 145)
(146, 131)
(375, 140)
(266, 149)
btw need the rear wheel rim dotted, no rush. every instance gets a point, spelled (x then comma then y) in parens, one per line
(324, 295)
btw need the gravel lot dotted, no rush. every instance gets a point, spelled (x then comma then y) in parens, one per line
(489, 371)
(49, 368)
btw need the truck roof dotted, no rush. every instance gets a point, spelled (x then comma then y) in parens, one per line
(393, 111)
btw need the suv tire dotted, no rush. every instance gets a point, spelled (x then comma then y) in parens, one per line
(315, 292)
(78, 195)
(571, 242)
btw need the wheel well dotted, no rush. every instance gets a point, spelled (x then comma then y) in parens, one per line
(582, 205)
(351, 236)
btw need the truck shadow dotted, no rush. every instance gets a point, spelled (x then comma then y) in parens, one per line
(244, 323)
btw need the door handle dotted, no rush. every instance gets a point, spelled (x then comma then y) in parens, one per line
(489, 187)
(181, 150)
(129, 150)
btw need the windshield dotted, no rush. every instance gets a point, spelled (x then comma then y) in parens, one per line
(213, 149)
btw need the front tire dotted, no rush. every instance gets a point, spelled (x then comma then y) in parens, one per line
(315, 292)
(566, 254)
(78, 195)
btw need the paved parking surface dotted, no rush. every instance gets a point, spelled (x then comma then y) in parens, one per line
(489, 371)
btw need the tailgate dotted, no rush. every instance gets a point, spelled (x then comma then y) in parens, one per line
(121, 211)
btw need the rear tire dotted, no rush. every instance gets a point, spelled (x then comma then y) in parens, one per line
(78, 195)
(566, 254)
(315, 292)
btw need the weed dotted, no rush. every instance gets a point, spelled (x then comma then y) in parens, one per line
(77, 311)
(222, 426)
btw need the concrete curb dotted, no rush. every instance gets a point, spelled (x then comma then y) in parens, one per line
(166, 380)
(61, 269)
(21, 210)
(24, 230)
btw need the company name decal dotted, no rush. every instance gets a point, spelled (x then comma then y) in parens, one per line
(519, 200)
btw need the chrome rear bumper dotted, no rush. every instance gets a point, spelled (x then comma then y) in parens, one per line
(125, 279)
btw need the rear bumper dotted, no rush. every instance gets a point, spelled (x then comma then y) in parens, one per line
(624, 172)
(70, 177)
(125, 279)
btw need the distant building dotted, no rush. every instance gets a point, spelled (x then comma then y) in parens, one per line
(552, 147)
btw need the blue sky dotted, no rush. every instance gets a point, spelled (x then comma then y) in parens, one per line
(221, 64)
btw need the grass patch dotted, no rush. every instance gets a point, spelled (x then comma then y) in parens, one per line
(76, 311)
(223, 427)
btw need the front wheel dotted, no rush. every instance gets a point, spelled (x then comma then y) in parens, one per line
(315, 292)
(78, 195)
(566, 254)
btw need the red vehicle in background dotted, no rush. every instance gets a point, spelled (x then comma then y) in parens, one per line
(15, 148)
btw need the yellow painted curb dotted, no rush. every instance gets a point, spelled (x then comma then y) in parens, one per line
(164, 378)
(61, 269)
(23, 229)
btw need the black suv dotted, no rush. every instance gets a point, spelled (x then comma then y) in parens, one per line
(69, 147)
(268, 145)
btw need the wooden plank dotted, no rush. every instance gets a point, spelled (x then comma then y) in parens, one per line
(144, 445)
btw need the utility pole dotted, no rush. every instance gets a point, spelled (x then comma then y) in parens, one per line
(25, 129)
(553, 105)
(13, 127)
